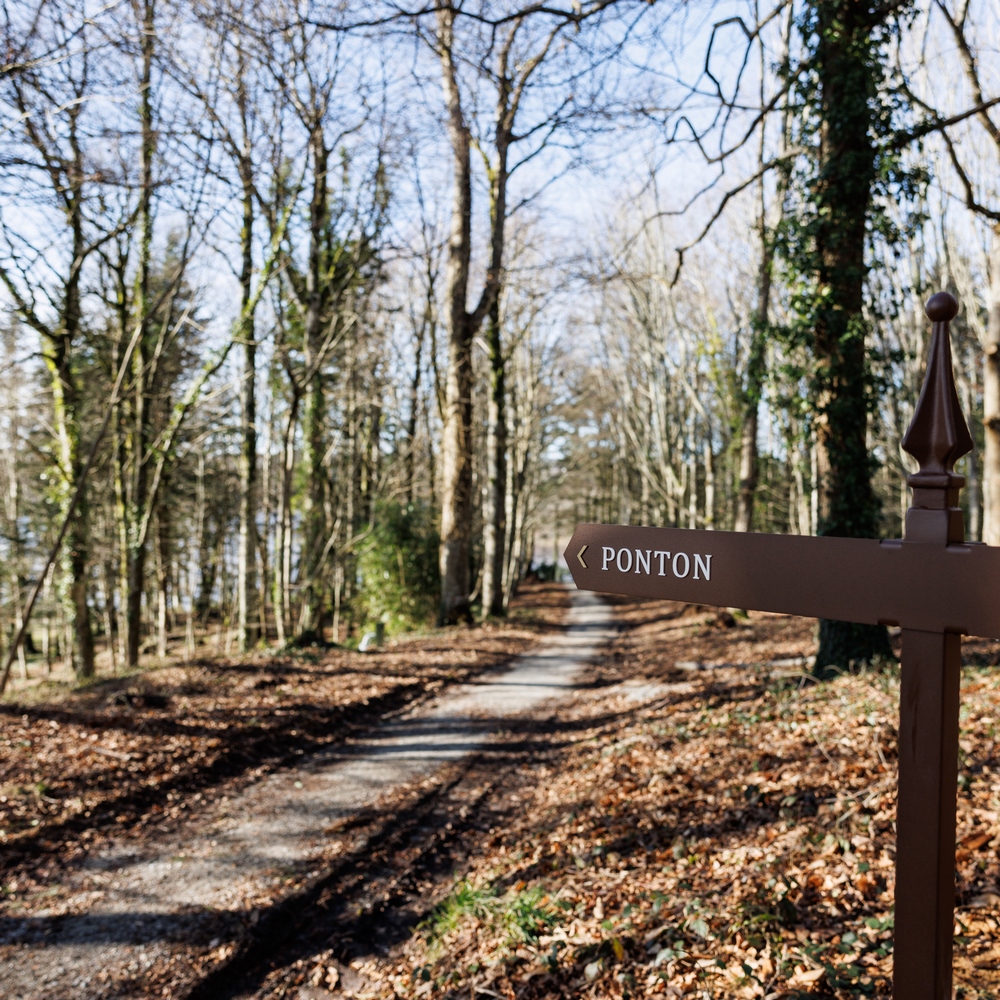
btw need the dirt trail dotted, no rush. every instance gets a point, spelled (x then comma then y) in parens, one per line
(131, 912)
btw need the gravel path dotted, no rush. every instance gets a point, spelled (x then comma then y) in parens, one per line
(129, 912)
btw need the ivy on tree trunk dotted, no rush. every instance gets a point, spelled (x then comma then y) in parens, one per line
(844, 100)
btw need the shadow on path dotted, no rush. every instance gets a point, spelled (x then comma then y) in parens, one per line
(196, 887)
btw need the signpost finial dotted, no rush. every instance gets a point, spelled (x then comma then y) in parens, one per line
(937, 438)
(929, 693)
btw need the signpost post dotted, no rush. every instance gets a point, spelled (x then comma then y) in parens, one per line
(932, 583)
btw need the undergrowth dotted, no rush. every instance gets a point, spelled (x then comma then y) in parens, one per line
(516, 917)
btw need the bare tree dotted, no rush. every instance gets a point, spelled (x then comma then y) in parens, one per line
(957, 18)
(508, 52)
(233, 106)
(55, 107)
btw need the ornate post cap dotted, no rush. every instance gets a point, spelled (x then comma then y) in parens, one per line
(937, 438)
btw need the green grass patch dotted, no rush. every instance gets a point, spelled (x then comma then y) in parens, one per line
(515, 917)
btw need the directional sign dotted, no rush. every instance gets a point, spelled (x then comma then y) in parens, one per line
(954, 588)
(932, 583)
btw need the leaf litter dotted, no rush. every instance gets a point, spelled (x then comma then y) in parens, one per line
(125, 759)
(724, 831)
(721, 832)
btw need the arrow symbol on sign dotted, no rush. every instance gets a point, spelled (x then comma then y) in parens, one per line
(579, 556)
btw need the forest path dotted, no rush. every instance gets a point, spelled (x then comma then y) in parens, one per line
(134, 917)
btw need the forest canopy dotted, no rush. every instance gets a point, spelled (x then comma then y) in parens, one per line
(319, 317)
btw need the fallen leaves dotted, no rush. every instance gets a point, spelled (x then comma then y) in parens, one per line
(731, 835)
(724, 832)
(131, 757)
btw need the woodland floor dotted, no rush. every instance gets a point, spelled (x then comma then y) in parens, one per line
(697, 820)
(123, 758)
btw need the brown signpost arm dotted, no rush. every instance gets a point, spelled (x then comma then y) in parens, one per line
(937, 588)
(929, 697)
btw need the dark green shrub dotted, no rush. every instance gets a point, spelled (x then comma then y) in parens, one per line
(398, 567)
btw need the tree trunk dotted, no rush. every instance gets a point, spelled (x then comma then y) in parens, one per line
(973, 484)
(314, 418)
(411, 419)
(120, 450)
(516, 498)
(373, 456)
(991, 403)
(456, 445)
(263, 586)
(133, 604)
(692, 473)
(247, 624)
(283, 534)
(76, 550)
(748, 470)
(495, 511)
(66, 405)
(314, 520)
(12, 506)
(846, 69)
(109, 612)
(749, 464)
(136, 576)
(162, 566)
(495, 508)
(206, 547)
(709, 482)
(15, 592)
(189, 642)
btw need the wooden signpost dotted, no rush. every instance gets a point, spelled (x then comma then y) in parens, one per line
(932, 583)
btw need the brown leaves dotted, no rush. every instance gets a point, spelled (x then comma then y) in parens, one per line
(129, 757)
(724, 833)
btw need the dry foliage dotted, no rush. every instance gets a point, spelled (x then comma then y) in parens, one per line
(707, 833)
(704, 833)
(130, 757)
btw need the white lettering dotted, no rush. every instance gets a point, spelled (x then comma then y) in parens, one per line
(643, 559)
(704, 563)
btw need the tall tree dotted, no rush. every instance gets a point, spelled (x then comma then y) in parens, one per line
(330, 265)
(846, 170)
(516, 63)
(247, 624)
(851, 122)
(957, 18)
(228, 96)
(508, 54)
(153, 305)
(753, 383)
(457, 506)
(54, 108)
(137, 493)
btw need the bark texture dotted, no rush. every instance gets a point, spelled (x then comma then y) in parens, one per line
(495, 507)
(456, 445)
(991, 403)
(849, 73)
(314, 429)
(247, 622)
(138, 495)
